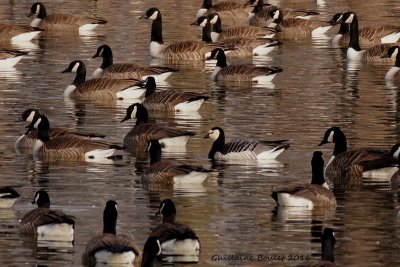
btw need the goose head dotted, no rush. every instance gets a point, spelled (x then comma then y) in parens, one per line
(348, 17)
(29, 115)
(38, 10)
(336, 19)
(215, 133)
(332, 135)
(103, 51)
(151, 249)
(41, 199)
(152, 13)
(137, 111)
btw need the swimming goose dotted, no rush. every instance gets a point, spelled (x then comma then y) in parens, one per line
(328, 241)
(72, 148)
(393, 74)
(100, 88)
(218, 34)
(395, 179)
(46, 223)
(185, 50)
(171, 100)
(151, 250)
(240, 73)
(27, 140)
(138, 137)
(9, 58)
(108, 247)
(240, 149)
(374, 54)
(17, 33)
(169, 172)
(368, 36)
(238, 46)
(351, 165)
(127, 70)
(309, 195)
(296, 27)
(8, 196)
(62, 21)
(175, 238)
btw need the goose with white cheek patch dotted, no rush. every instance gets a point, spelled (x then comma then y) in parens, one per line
(393, 74)
(240, 73)
(138, 137)
(176, 239)
(8, 196)
(170, 172)
(27, 140)
(110, 247)
(309, 195)
(368, 36)
(66, 22)
(17, 34)
(374, 54)
(296, 27)
(240, 149)
(72, 148)
(45, 223)
(171, 100)
(9, 58)
(349, 166)
(185, 50)
(100, 88)
(127, 70)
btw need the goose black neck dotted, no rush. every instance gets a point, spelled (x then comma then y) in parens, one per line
(43, 130)
(344, 28)
(207, 4)
(142, 116)
(206, 33)
(354, 37)
(170, 218)
(80, 75)
(217, 26)
(110, 222)
(150, 87)
(155, 155)
(156, 30)
(42, 12)
(259, 7)
(107, 61)
(217, 146)
(317, 172)
(397, 64)
(340, 143)
(221, 60)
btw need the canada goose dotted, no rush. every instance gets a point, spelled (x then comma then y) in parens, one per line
(351, 165)
(259, 15)
(62, 21)
(240, 149)
(127, 70)
(138, 137)
(239, 46)
(27, 140)
(393, 74)
(8, 196)
(218, 34)
(100, 88)
(9, 58)
(186, 50)
(72, 148)
(175, 238)
(374, 54)
(395, 179)
(207, 8)
(169, 172)
(46, 223)
(240, 73)
(309, 195)
(171, 100)
(17, 33)
(368, 36)
(296, 27)
(151, 249)
(108, 247)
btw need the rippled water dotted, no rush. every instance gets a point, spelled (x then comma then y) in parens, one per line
(233, 213)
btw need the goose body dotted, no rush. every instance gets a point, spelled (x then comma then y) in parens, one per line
(17, 33)
(8, 196)
(62, 21)
(9, 58)
(72, 148)
(169, 172)
(110, 247)
(393, 74)
(138, 137)
(243, 149)
(309, 195)
(27, 140)
(185, 50)
(127, 70)
(296, 27)
(368, 36)
(45, 223)
(100, 88)
(349, 166)
(240, 73)
(374, 54)
(171, 100)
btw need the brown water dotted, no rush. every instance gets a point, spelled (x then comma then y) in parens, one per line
(232, 213)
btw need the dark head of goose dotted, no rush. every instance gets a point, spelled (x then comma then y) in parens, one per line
(103, 51)
(150, 84)
(135, 110)
(75, 66)
(275, 14)
(151, 249)
(392, 52)
(152, 13)
(41, 199)
(110, 216)
(348, 17)
(395, 151)
(215, 133)
(336, 19)
(167, 209)
(333, 135)
(43, 125)
(38, 10)
(29, 115)
(201, 21)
